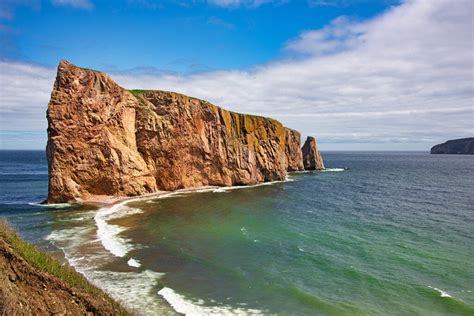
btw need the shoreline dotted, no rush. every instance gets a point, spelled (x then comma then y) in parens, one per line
(110, 200)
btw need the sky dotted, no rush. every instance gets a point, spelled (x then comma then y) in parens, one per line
(357, 74)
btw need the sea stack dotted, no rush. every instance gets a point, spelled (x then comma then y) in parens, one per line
(104, 140)
(312, 159)
(463, 146)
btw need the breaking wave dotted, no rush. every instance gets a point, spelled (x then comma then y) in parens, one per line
(334, 169)
(187, 307)
(109, 233)
(441, 292)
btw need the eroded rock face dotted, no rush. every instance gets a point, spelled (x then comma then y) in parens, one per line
(293, 151)
(104, 140)
(312, 159)
(92, 147)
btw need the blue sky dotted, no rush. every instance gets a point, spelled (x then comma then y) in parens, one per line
(187, 36)
(358, 74)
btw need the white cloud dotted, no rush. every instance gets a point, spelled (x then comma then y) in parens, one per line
(78, 4)
(341, 34)
(24, 95)
(405, 76)
(403, 80)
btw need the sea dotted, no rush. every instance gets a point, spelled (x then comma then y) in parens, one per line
(377, 233)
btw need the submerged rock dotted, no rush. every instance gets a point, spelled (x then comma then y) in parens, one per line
(456, 146)
(104, 140)
(312, 159)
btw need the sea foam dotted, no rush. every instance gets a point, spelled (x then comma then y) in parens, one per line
(52, 205)
(441, 292)
(333, 170)
(109, 233)
(134, 263)
(125, 287)
(194, 308)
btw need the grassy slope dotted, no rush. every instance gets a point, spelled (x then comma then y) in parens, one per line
(47, 264)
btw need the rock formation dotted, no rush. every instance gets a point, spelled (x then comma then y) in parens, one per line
(456, 146)
(104, 140)
(312, 159)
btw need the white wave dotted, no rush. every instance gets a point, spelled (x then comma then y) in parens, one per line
(134, 263)
(220, 190)
(71, 240)
(52, 205)
(133, 289)
(79, 217)
(124, 287)
(441, 292)
(333, 170)
(71, 236)
(214, 189)
(109, 233)
(193, 308)
(237, 187)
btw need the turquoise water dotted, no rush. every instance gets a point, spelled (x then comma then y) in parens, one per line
(393, 235)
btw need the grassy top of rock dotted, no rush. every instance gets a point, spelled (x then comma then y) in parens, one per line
(141, 92)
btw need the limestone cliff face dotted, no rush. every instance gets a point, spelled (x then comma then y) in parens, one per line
(312, 159)
(104, 140)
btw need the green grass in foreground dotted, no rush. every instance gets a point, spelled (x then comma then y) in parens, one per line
(47, 264)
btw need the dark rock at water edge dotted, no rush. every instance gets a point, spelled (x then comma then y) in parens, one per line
(464, 146)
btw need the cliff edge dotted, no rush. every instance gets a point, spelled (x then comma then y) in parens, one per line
(463, 146)
(33, 283)
(104, 140)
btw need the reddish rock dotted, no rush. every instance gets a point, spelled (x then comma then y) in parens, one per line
(312, 159)
(293, 151)
(104, 140)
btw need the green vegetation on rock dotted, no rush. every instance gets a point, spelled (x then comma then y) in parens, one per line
(45, 263)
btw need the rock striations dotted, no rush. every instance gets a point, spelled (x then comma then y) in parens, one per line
(104, 140)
